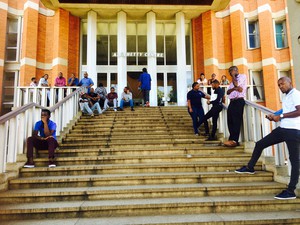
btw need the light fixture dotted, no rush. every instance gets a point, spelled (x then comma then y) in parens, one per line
(299, 39)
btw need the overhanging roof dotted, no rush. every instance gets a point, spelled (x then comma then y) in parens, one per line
(137, 9)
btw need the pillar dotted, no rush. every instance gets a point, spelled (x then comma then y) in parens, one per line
(92, 45)
(151, 48)
(181, 60)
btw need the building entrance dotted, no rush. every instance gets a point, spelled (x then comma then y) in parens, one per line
(133, 84)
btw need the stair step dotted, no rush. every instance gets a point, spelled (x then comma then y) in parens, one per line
(133, 168)
(136, 179)
(122, 159)
(246, 218)
(141, 191)
(152, 206)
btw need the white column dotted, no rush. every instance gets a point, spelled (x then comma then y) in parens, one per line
(122, 50)
(92, 45)
(181, 59)
(151, 49)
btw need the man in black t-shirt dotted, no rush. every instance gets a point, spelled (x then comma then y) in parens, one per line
(214, 112)
(194, 98)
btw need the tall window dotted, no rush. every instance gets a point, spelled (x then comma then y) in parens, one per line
(253, 34)
(13, 40)
(281, 34)
(256, 86)
(10, 82)
(166, 43)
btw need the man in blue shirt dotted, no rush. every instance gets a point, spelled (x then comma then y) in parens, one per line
(145, 85)
(86, 82)
(73, 80)
(194, 99)
(44, 137)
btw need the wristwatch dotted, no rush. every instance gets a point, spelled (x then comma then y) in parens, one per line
(281, 115)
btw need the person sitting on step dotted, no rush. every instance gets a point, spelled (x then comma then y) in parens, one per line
(126, 99)
(101, 91)
(44, 137)
(86, 106)
(112, 98)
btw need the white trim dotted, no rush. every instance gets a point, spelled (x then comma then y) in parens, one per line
(264, 8)
(225, 66)
(31, 5)
(284, 66)
(15, 12)
(3, 6)
(251, 15)
(279, 15)
(223, 14)
(269, 61)
(46, 12)
(292, 63)
(255, 66)
(1, 62)
(44, 66)
(59, 61)
(211, 61)
(237, 7)
(28, 61)
(240, 61)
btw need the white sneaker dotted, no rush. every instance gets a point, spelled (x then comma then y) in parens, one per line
(115, 110)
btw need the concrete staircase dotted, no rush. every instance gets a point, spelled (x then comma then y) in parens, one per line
(143, 167)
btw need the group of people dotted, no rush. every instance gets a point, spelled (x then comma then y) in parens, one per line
(44, 134)
(289, 117)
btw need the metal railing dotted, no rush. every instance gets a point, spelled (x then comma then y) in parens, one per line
(18, 124)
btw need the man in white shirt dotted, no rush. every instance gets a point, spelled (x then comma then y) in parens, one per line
(288, 132)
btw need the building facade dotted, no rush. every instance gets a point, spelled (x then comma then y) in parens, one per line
(174, 40)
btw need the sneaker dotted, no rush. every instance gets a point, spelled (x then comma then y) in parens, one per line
(29, 165)
(205, 134)
(245, 169)
(196, 134)
(132, 109)
(115, 109)
(121, 109)
(210, 138)
(51, 164)
(285, 195)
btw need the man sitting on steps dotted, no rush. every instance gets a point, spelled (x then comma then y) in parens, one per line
(44, 137)
(126, 99)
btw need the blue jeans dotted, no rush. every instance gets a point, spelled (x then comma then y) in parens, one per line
(292, 138)
(197, 115)
(123, 103)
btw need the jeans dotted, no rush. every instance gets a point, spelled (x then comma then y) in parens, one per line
(85, 108)
(122, 103)
(278, 135)
(146, 95)
(214, 113)
(33, 142)
(235, 118)
(197, 115)
(113, 103)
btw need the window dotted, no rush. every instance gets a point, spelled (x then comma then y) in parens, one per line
(256, 86)
(10, 83)
(253, 34)
(12, 40)
(281, 34)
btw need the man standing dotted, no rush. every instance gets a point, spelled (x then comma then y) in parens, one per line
(236, 93)
(60, 81)
(288, 132)
(217, 107)
(86, 82)
(73, 80)
(194, 98)
(44, 137)
(44, 83)
(145, 85)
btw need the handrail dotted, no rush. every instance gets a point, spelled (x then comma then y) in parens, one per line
(18, 124)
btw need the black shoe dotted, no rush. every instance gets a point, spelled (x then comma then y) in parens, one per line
(285, 195)
(210, 138)
(245, 169)
(205, 134)
(121, 109)
(132, 109)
